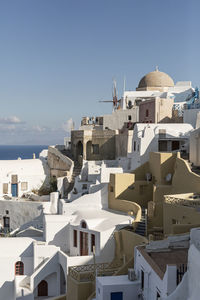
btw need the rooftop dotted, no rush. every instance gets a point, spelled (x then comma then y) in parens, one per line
(159, 260)
(101, 220)
(156, 79)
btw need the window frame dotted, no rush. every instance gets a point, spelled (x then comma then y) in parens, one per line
(19, 268)
(92, 242)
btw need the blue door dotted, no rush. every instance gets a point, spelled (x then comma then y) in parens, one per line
(116, 296)
(14, 189)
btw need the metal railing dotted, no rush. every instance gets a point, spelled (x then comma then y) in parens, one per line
(89, 272)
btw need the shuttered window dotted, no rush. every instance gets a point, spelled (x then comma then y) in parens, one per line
(5, 188)
(24, 186)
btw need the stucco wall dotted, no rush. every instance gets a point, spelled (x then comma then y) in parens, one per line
(117, 119)
(104, 138)
(21, 212)
(10, 254)
(195, 147)
(33, 172)
(190, 116)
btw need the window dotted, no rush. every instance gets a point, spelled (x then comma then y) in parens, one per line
(129, 117)
(7, 212)
(6, 222)
(162, 146)
(134, 147)
(175, 145)
(14, 179)
(138, 148)
(147, 113)
(92, 241)
(111, 189)
(19, 268)
(75, 238)
(116, 296)
(142, 279)
(84, 186)
(95, 148)
(175, 222)
(24, 186)
(83, 224)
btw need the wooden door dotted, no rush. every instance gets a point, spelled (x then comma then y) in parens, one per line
(43, 288)
(83, 243)
(14, 189)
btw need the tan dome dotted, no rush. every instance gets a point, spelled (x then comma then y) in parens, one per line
(156, 79)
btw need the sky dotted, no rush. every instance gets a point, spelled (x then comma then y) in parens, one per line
(58, 58)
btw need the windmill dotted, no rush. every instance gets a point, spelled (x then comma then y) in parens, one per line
(115, 101)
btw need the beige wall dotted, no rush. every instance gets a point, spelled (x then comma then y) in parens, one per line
(125, 242)
(176, 217)
(59, 164)
(163, 110)
(78, 290)
(106, 139)
(136, 189)
(123, 187)
(124, 143)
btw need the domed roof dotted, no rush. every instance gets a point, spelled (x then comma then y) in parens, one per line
(156, 79)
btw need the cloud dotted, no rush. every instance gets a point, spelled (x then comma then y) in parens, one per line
(11, 120)
(13, 131)
(68, 125)
(39, 128)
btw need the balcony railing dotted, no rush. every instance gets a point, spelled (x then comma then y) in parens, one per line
(88, 272)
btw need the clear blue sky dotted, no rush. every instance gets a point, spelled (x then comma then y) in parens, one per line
(58, 58)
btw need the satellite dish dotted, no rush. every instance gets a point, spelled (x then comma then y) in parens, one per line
(168, 177)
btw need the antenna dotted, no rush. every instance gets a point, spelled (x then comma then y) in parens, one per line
(124, 83)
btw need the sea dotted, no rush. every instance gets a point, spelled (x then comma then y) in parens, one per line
(11, 152)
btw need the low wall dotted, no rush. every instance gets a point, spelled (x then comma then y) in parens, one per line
(128, 207)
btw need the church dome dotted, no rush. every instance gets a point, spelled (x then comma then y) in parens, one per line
(156, 79)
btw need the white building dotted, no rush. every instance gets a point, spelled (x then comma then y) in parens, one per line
(38, 265)
(22, 176)
(158, 137)
(158, 269)
(93, 175)
(158, 84)
(189, 288)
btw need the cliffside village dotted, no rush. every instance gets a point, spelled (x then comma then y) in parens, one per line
(114, 212)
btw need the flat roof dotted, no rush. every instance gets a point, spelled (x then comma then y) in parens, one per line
(159, 260)
(116, 280)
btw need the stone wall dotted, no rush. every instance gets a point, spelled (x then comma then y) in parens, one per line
(59, 164)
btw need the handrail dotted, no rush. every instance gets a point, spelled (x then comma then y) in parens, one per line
(88, 272)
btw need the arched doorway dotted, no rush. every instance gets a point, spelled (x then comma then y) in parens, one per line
(43, 288)
(79, 150)
(88, 150)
